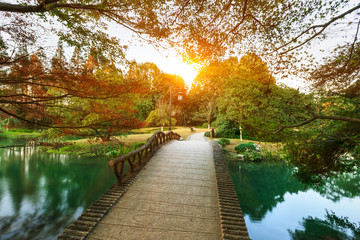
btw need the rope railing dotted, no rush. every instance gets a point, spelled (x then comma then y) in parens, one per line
(136, 156)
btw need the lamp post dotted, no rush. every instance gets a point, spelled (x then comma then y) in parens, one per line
(180, 98)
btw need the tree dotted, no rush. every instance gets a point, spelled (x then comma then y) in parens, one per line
(65, 98)
(245, 93)
(280, 32)
(209, 85)
(156, 85)
(102, 115)
(204, 30)
(328, 142)
(160, 115)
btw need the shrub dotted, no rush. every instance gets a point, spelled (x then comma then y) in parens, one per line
(243, 147)
(252, 155)
(225, 140)
(207, 134)
(221, 143)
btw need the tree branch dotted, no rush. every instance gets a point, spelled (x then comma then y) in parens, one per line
(8, 7)
(242, 18)
(322, 26)
(45, 125)
(340, 118)
(44, 7)
(352, 46)
(318, 116)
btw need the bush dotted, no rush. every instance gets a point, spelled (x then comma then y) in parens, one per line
(221, 143)
(249, 151)
(207, 134)
(225, 140)
(253, 155)
(243, 147)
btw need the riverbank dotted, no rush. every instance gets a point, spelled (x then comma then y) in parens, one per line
(119, 145)
(251, 150)
(19, 133)
(269, 146)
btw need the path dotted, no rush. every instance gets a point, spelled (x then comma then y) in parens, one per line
(174, 197)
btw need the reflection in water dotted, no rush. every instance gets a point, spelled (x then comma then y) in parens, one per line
(334, 227)
(265, 184)
(344, 185)
(273, 201)
(40, 193)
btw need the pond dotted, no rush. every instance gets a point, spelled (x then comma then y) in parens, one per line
(277, 206)
(42, 193)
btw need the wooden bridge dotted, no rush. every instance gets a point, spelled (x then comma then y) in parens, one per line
(183, 192)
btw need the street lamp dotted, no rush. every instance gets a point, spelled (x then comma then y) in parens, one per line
(180, 98)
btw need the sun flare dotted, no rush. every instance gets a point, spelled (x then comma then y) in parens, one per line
(174, 65)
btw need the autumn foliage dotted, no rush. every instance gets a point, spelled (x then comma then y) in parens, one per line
(80, 97)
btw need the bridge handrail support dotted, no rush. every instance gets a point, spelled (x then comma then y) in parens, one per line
(156, 139)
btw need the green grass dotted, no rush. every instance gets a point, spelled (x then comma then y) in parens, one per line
(120, 146)
(19, 133)
(107, 150)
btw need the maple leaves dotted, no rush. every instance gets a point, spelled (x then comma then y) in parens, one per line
(75, 100)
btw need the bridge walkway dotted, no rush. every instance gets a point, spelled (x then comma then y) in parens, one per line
(174, 197)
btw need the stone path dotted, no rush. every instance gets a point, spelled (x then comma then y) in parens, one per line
(174, 197)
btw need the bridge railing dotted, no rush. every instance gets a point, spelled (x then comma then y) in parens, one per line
(136, 156)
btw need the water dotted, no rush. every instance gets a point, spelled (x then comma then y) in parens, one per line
(277, 206)
(41, 193)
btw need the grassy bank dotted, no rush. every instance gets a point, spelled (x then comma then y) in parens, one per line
(272, 147)
(120, 145)
(19, 133)
(249, 151)
(107, 150)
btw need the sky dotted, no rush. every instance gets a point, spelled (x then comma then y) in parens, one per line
(167, 60)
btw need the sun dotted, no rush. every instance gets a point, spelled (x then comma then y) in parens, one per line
(175, 65)
(168, 61)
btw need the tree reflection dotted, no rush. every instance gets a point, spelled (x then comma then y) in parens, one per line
(343, 185)
(43, 193)
(262, 186)
(333, 227)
